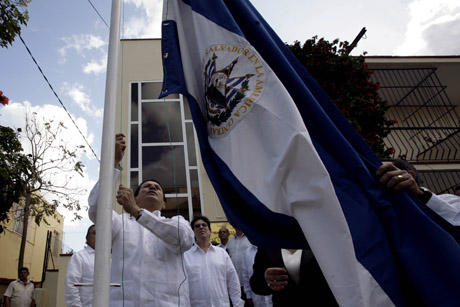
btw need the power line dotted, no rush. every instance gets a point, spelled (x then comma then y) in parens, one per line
(59, 99)
(98, 13)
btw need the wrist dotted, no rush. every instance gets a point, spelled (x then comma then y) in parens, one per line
(425, 196)
(137, 214)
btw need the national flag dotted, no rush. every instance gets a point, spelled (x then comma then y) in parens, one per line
(288, 168)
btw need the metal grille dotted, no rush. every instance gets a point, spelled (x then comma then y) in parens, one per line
(427, 127)
(440, 182)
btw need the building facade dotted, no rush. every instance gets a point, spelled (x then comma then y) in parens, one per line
(36, 247)
(161, 139)
(424, 99)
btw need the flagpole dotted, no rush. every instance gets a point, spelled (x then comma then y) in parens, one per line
(101, 288)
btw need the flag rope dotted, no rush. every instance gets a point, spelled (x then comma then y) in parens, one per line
(121, 169)
(177, 199)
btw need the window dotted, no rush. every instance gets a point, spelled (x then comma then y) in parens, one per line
(163, 147)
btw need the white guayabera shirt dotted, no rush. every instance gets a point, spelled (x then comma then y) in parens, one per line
(447, 206)
(80, 269)
(212, 278)
(147, 254)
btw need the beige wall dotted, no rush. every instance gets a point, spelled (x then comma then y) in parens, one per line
(34, 251)
(63, 261)
(34, 254)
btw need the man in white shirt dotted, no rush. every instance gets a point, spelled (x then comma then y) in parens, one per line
(253, 299)
(80, 270)
(147, 248)
(211, 275)
(236, 247)
(20, 293)
(223, 237)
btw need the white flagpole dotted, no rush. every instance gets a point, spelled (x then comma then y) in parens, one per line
(101, 281)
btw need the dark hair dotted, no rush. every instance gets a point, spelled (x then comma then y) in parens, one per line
(89, 229)
(204, 218)
(406, 166)
(136, 192)
(23, 269)
(457, 188)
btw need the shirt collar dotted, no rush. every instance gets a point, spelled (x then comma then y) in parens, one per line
(90, 249)
(196, 248)
(28, 281)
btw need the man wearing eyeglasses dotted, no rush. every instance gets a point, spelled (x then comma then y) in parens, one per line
(211, 275)
(147, 248)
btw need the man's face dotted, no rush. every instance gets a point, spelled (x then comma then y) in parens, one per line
(201, 230)
(23, 274)
(91, 237)
(223, 234)
(151, 195)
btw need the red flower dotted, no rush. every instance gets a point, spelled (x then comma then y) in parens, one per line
(3, 99)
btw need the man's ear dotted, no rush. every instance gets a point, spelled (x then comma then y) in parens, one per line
(412, 173)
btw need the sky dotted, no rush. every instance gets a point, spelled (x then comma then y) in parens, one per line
(69, 41)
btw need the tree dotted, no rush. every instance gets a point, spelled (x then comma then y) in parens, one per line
(11, 19)
(53, 166)
(347, 81)
(14, 168)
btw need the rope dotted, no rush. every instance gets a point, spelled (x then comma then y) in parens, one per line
(121, 129)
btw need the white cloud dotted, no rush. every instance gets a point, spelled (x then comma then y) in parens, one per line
(13, 115)
(433, 29)
(77, 93)
(96, 67)
(81, 44)
(145, 22)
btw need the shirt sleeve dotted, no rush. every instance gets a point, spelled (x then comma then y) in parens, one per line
(92, 202)
(233, 283)
(245, 274)
(447, 206)
(9, 290)
(73, 275)
(175, 232)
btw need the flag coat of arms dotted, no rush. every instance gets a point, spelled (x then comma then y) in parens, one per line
(288, 168)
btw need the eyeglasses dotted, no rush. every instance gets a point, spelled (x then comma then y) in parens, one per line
(223, 231)
(198, 225)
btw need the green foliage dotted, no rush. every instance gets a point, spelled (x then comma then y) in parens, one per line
(347, 81)
(15, 167)
(11, 19)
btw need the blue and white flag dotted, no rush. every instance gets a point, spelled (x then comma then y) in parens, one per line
(289, 169)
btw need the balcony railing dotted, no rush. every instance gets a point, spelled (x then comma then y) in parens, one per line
(428, 126)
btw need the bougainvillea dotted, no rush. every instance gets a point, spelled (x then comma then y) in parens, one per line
(3, 99)
(347, 81)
